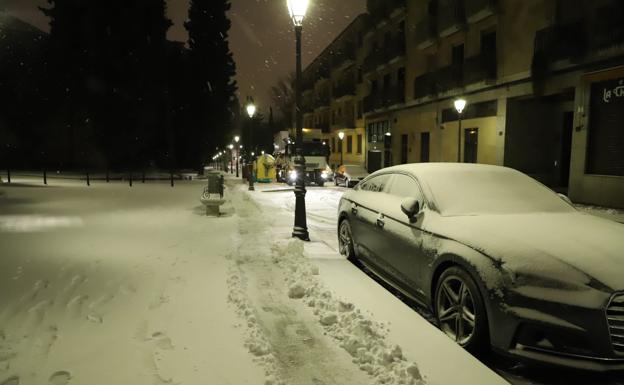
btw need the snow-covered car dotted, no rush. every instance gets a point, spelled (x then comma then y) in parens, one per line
(349, 175)
(501, 260)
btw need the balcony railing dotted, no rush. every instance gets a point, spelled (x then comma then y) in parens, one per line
(449, 77)
(559, 42)
(381, 9)
(482, 67)
(396, 49)
(321, 101)
(344, 89)
(372, 102)
(451, 16)
(345, 54)
(607, 29)
(388, 97)
(426, 32)
(372, 61)
(425, 85)
(477, 10)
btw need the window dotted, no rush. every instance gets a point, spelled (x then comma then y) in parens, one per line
(376, 184)
(340, 146)
(349, 144)
(360, 109)
(359, 143)
(404, 186)
(333, 144)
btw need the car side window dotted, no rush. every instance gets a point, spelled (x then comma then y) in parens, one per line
(376, 184)
(405, 187)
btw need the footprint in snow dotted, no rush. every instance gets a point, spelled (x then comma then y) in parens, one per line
(11, 381)
(59, 378)
(162, 341)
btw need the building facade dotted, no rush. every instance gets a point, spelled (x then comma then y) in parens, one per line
(543, 81)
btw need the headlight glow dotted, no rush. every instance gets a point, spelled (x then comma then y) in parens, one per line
(293, 175)
(324, 175)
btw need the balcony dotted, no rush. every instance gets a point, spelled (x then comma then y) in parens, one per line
(607, 29)
(396, 49)
(477, 10)
(426, 32)
(372, 102)
(343, 55)
(382, 9)
(372, 61)
(321, 101)
(559, 42)
(323, 72)
(479, 68)
(344, 88)
(394, 95)
(451, 17)
(345, 121)
(424, 85)
(450, 77)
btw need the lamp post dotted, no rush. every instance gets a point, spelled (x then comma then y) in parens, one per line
(297, 10)
(231, 147)
(341, 136)
(251, 111)
(236, 140)
(460, 104)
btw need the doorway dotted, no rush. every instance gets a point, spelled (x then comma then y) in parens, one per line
(471, 145)
(566, 148)
(374, 161)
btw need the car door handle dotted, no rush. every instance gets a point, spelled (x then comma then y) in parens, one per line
(354, 210)
(380, 222)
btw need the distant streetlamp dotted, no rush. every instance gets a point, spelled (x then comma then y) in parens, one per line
(341, 136)
(460, 105)
(297, 10)
(251, 111)
(237, 139)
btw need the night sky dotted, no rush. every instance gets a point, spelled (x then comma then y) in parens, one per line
(262, 36)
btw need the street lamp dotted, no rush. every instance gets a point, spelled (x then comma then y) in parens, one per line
(460, 104)
(297, 10)
(251, 111)
(341, 137)
(237, 139)
(231, 147)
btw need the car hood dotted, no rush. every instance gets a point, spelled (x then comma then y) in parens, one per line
(576, 248)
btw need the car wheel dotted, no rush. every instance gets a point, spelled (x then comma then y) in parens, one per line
(335, 182)
(345, 240)
(460, 310)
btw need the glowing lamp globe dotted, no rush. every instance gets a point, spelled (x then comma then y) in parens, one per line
(251, 110)
(297, 10)
(460, 104)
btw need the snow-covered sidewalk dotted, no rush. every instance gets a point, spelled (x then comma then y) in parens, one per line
(111, 284)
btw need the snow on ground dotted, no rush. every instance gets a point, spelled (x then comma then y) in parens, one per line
(111, 284)
(120, 285)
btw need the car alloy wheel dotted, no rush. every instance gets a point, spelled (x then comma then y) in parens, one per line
(345, 240)
(460, 310)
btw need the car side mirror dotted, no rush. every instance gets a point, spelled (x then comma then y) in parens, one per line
(565, 198)
(410, 207)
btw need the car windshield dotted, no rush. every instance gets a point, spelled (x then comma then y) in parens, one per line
(356, 171)
(463, 192)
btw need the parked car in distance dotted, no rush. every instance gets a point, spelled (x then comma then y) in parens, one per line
(349, 175)
(502, 261)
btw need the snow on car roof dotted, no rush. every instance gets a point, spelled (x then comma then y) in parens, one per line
(473, 189)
